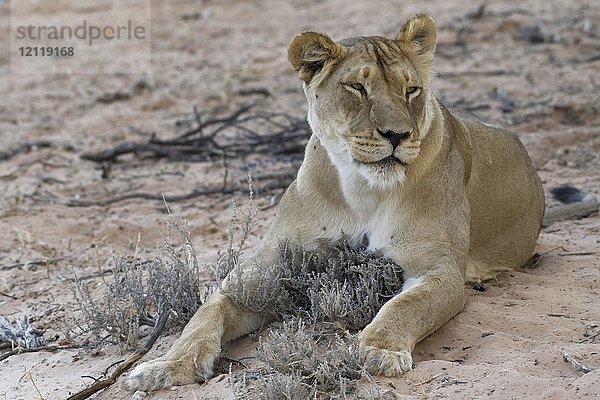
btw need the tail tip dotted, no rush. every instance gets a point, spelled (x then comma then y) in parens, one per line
(567, 194)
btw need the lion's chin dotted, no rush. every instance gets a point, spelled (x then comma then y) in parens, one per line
(383, 175)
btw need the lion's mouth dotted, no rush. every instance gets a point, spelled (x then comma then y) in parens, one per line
(388, 161)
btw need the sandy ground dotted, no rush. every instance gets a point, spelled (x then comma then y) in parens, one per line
(509, 340)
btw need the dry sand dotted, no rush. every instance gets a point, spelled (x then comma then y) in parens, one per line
(509, 340)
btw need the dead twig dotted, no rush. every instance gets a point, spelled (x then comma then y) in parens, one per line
(25, 148)
(278, 184)
(578, 253)
(592, 338)
(132, 147)
(135, 89)
(559, 315)
(10, 296)
(433, 378)
(35, 262)
(21, 350)
(100, 273)
(101, 384)
(34, 385)
(493, 72)
(215, 121)
(579, 366)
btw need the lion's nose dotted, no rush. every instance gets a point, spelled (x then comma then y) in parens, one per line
(394, 137)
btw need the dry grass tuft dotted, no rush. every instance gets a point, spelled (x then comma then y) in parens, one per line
(140, 292)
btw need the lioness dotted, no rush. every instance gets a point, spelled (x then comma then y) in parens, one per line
(445, 196)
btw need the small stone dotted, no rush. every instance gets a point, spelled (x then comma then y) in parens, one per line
(138, 395)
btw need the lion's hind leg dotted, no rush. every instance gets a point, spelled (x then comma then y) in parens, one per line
(480, 271)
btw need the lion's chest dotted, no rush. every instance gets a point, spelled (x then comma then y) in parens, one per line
(380, 215)
(382, 227)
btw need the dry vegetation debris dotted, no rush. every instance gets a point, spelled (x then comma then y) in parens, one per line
(140, 292)
(320, 294)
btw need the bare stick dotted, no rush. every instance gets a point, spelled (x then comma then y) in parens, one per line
(579, 366)
(10, 296)
(101, 384)
(179, 197)
(24, 148)
(433, 378)
(580, 253)
(21, 350)
(493, 72)
(35, 262)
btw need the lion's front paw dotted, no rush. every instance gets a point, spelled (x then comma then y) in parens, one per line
(385, 362)
(158, 374)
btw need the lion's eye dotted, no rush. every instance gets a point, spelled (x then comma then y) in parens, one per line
(413, 91)
(359, 87)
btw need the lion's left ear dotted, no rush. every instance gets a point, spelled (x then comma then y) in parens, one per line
(421, 31)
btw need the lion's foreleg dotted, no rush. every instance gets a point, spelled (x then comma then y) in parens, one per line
(429, 301)
(192, 356)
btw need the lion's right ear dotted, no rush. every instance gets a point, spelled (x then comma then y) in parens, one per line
(310, 51)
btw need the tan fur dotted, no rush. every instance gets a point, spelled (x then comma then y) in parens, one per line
(459, 200)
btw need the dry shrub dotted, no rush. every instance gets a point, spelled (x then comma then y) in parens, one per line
(139, 292)
(307, 361)
(302, 360)
(338, 283)
(230, 258)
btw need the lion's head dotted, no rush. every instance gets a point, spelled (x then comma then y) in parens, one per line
(369, 97)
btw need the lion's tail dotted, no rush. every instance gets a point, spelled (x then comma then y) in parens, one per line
(576, 204)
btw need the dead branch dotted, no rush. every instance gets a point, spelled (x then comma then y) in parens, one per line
(21, 350)
(579, 366)
(135, 89)
(133, 147)
(592, 338)
(280, 183)
(433, 378)
(101, 384)
(235, 135)
(25, 148)
(578, 253)
(280, 136)
(492, 72)
(215, 121)
(47, 261)
(10, 296)
(100, 273)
